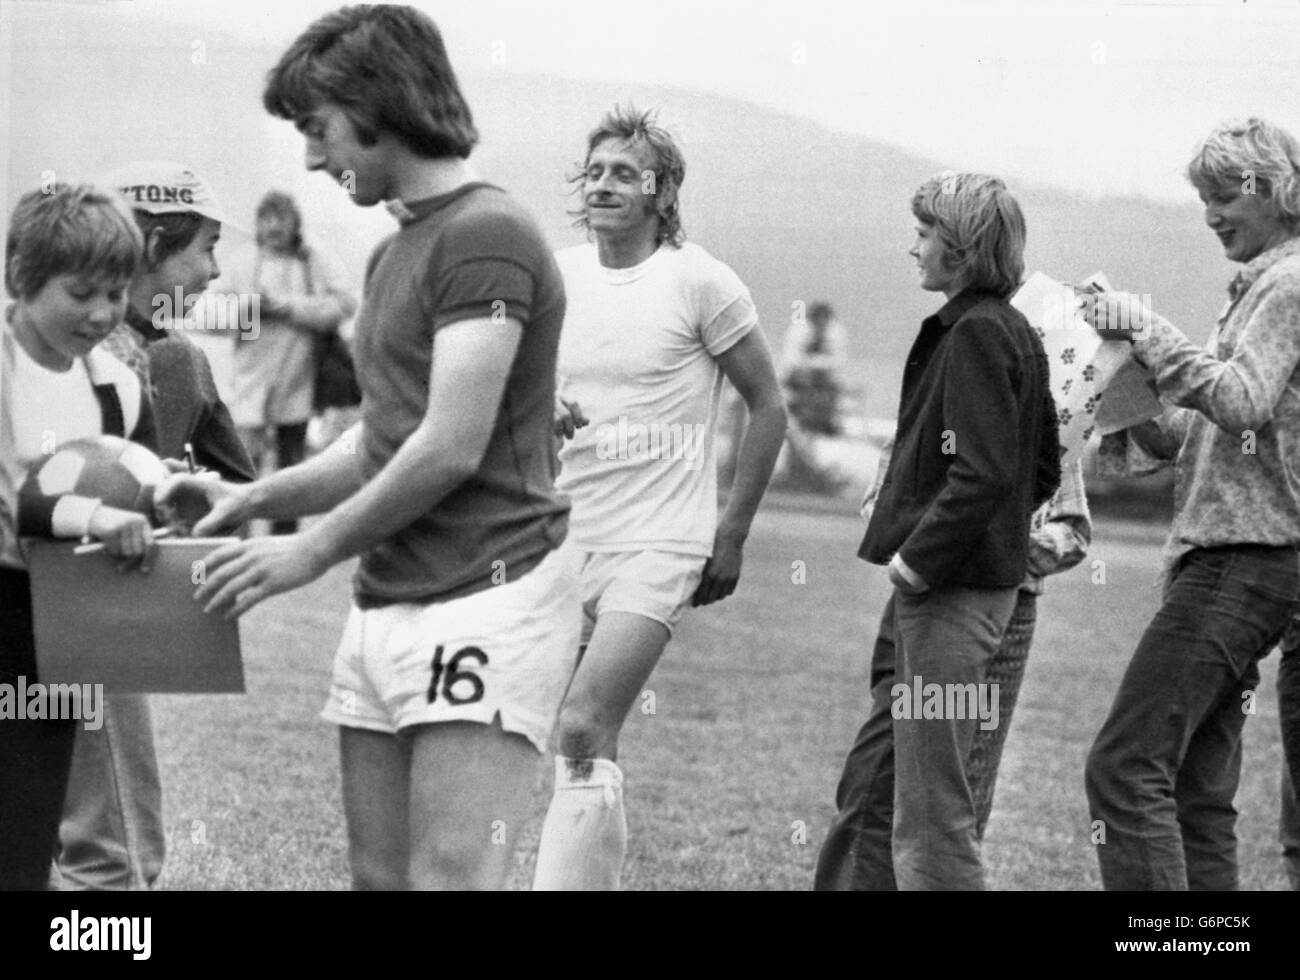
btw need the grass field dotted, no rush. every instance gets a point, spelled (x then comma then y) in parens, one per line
(730, 780)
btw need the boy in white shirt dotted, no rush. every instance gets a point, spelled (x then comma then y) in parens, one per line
(69, 257)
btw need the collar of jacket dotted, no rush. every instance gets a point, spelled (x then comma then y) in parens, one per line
(953, 310)
(143, 326)
(1260, 264)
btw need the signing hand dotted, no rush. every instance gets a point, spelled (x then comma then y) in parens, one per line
(721, 572)
(239, 575)
(127, 536)
(201, 502)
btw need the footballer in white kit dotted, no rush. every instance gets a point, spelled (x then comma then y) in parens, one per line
(652, 327)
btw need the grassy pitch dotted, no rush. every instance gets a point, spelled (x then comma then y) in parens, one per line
(733, 752)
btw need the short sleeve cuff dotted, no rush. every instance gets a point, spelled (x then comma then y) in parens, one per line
(483, 310)
(730, 326)
(909, 575)
(71, 516)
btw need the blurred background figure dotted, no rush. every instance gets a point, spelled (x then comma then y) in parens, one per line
(300, 301)
(812, 365)
(817, 457)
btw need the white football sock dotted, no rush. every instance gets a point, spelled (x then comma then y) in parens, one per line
(584, 837)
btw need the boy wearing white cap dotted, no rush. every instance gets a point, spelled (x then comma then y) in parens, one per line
(112, 835)
(181, 220)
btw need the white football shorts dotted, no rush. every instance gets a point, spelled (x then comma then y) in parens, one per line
(655, 584)
(506, 652)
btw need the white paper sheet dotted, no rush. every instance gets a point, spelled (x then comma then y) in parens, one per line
(1083, 366)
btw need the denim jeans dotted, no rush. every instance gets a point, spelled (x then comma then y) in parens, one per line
(906, 817)
(1164, 768)
(112, 836)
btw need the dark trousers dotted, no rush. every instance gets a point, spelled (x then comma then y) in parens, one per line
(290, 450)
(1164, 768)
(35, 756)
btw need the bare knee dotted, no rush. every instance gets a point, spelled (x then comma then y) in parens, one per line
(457, 865)
(586, 733)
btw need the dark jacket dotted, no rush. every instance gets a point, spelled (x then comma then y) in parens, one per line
(186, 406)
(976, 450)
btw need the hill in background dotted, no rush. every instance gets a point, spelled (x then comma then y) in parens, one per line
(801, 212)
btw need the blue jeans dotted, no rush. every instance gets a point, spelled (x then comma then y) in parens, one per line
(906, 815)
(1164, 768)
(112, 836)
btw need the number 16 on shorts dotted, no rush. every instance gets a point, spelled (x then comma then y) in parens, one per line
(451, 678)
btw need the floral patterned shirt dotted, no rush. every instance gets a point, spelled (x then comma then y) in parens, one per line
(1235, 437)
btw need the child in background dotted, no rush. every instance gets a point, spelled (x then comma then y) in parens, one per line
(301, 298)
(69, 257)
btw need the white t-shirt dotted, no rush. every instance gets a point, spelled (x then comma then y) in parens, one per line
(42, 409)
(637, 354)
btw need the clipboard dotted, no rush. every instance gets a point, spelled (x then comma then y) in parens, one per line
(133, 633)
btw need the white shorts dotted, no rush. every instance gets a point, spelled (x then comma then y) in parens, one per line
(656, 584)
(504, 653)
